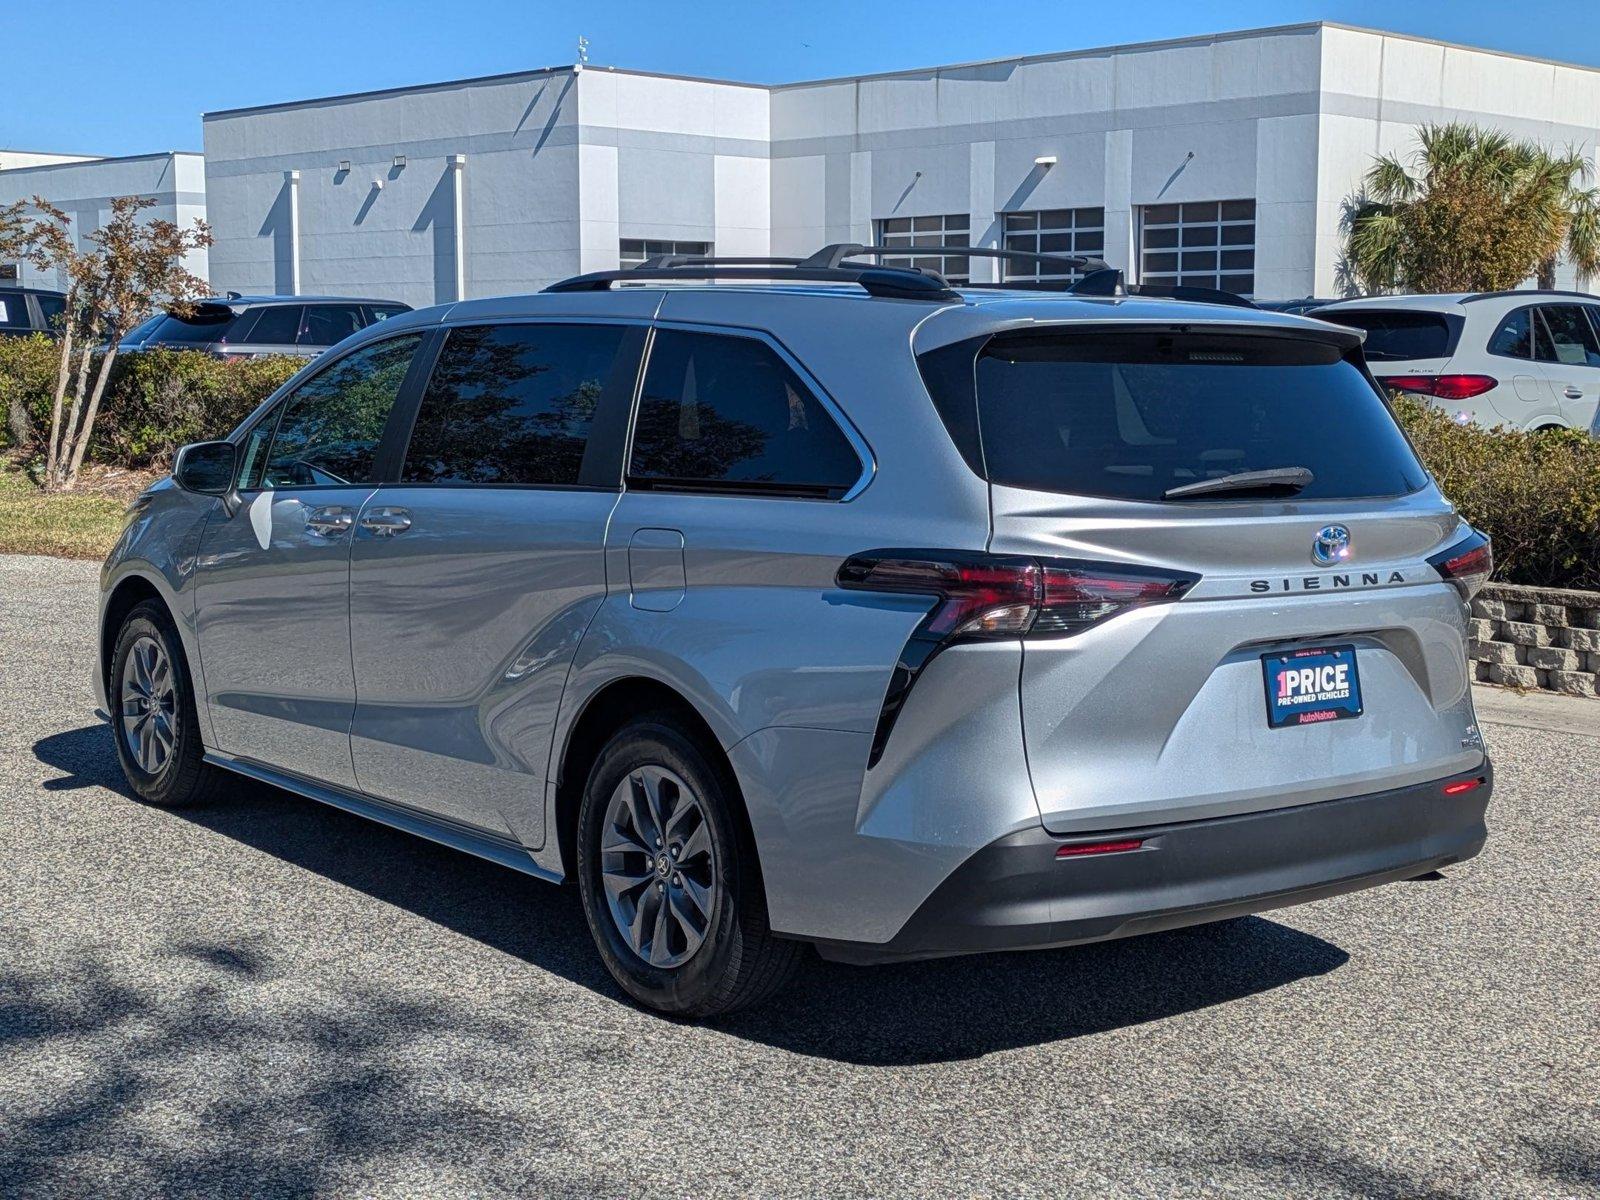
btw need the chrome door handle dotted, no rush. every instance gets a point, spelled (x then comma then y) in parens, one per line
(330, 520)
(1574, 392)
(386, 522)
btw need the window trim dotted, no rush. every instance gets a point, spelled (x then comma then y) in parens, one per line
(745, 489)
(279, 402)
(605, 453)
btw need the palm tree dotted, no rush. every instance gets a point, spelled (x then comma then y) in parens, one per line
(1579, 209)
(1471, 209)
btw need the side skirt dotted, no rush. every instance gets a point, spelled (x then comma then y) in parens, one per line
(447, 833)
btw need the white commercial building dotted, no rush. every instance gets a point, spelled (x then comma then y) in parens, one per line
(1224, 160)
(83, 187)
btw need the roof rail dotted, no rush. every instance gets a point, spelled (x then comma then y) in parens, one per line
(1525, 292)
(895, 283)
(835, 254)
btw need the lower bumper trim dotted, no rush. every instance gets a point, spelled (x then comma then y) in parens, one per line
(1016, 894)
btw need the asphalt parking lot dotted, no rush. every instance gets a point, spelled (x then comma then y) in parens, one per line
(271, 998)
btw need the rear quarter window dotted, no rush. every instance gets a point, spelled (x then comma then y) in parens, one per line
(1129, 416)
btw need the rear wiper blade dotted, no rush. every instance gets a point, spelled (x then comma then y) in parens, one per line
(1288, 479)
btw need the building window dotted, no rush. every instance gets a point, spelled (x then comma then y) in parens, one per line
(932, 234)
(1053, 231)
(634, 251)
(1211, 244)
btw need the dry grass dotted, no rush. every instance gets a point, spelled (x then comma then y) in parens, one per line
(79, 524)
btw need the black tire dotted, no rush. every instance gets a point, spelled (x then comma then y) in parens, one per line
(740, 962)
(183, 778)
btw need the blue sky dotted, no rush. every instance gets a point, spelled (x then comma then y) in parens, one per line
(128, 78)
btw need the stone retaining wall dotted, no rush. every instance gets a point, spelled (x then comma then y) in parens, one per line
(1537, 638)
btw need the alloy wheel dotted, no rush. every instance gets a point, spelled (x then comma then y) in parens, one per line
(659, 866)
(149, 702)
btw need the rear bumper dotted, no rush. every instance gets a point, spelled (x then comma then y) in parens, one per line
(1016, 894)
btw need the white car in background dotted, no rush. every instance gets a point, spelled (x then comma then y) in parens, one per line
(1526, 359)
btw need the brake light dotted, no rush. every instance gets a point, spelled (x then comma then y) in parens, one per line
(987, 596)
(1468, 564)
(1445, 387)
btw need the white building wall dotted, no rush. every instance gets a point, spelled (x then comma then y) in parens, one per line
(1187, 121)
(84, 188)
(561, 165)
(1378, 88)
(386, 228)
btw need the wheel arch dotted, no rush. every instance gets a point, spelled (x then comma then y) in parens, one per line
(607, 710)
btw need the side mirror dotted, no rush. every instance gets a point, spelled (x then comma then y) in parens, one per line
(206, 467)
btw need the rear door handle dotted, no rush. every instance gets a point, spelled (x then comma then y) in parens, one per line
(330, 520)
(1574, 392)
(386, 522)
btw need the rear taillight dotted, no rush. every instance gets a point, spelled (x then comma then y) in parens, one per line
(987, 596)
(1445, 387)
(1000, 596)
(1468, 564)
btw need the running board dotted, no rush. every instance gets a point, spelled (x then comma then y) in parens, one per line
(458, 837)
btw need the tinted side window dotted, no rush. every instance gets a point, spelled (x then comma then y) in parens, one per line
(326, 324)
(722, 412)
(332, 424)
(382, 312)
(1514, 337)
(277, 325)
(14, 311)
(511, 404)
(1565, 337)
(253, 454)
(51, 308)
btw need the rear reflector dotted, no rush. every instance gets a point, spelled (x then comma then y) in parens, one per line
(1083, 848)
(1462, 785)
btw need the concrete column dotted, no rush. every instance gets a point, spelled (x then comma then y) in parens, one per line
(291, 180)
(1122, 244)
(458, 171)
(981, 212)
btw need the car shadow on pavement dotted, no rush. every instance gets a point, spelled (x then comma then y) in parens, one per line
(934, 1011)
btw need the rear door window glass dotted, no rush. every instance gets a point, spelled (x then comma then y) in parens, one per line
(1565, 337)
(1130, 416)
(1395, 335)
(14, 311)
(512, 404)
(726, 413)
(332, 424)
(326, 324)
(382, 312)
(1514, 337)
(275, 325)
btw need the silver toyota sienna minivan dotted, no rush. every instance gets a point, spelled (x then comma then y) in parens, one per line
(781, 605)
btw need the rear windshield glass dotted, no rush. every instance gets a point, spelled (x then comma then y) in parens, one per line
(1395, 336)
(1130, 416)
(204, 324)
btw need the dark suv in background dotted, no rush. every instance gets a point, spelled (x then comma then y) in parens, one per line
(30, 310)
(244, 326)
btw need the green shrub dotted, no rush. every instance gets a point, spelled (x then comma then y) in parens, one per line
(159, 400)
(155, 402)
(1536, 494)
(27, 381)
